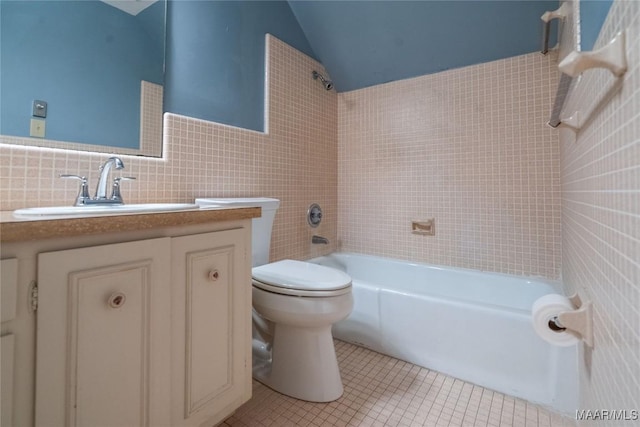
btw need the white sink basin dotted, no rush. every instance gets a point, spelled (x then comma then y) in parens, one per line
(104, 209)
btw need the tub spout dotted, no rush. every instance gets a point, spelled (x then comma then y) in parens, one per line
(319, 239)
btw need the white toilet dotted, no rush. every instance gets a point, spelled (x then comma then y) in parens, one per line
(295, 304)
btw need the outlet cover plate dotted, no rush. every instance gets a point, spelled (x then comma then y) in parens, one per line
(37, 128)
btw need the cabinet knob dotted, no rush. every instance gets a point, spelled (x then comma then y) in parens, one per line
(116, 300)
(214, 275)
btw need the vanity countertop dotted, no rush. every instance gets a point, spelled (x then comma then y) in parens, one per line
(14, 229)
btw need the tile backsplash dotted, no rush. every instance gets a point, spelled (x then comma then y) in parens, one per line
(600, 174)
(294, 161)
(468, 147)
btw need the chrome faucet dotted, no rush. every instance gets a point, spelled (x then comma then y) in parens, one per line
(101, 189)
(319, 239)
(84, 199)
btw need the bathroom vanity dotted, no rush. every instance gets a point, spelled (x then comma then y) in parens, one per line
(137, 319)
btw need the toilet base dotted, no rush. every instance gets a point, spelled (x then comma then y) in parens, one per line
(303, 364)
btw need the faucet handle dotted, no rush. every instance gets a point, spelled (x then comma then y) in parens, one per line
(83, 193)
(71, 176)
(124, 178)
(115, 193)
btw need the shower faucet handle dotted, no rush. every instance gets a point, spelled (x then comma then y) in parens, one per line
(314, 215)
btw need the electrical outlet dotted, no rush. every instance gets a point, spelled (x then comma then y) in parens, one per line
(37, 128)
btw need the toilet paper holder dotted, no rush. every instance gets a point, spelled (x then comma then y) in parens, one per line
(579, 320)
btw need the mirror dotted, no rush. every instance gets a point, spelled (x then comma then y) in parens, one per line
(93, 69)
(592, 15)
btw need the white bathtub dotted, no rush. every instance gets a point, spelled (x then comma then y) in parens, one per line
(469, 324)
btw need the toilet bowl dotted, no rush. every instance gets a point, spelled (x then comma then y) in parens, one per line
(295, 303)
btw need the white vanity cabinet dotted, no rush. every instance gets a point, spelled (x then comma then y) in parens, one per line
(136, 328)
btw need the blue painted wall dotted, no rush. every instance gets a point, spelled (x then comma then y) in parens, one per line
(215, 54)
(215, 57)
(592, 15)
(364, 43)
(56, 51)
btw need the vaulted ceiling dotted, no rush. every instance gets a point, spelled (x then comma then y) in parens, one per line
(364, 43)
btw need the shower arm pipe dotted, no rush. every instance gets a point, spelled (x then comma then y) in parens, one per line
(316, 75)
(328, 84)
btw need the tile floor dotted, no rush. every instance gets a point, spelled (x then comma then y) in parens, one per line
(382, 391)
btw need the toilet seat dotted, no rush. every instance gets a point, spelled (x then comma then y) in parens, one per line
(303, 279)
(299, 292)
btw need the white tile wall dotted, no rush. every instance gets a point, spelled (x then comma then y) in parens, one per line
(600, 170)
(468, 147)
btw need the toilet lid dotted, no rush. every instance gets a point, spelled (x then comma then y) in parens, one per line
(297, 278)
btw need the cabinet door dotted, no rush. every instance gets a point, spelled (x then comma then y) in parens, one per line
(103, 345)
(211, 314)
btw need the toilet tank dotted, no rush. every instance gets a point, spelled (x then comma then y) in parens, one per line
(260, 227)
